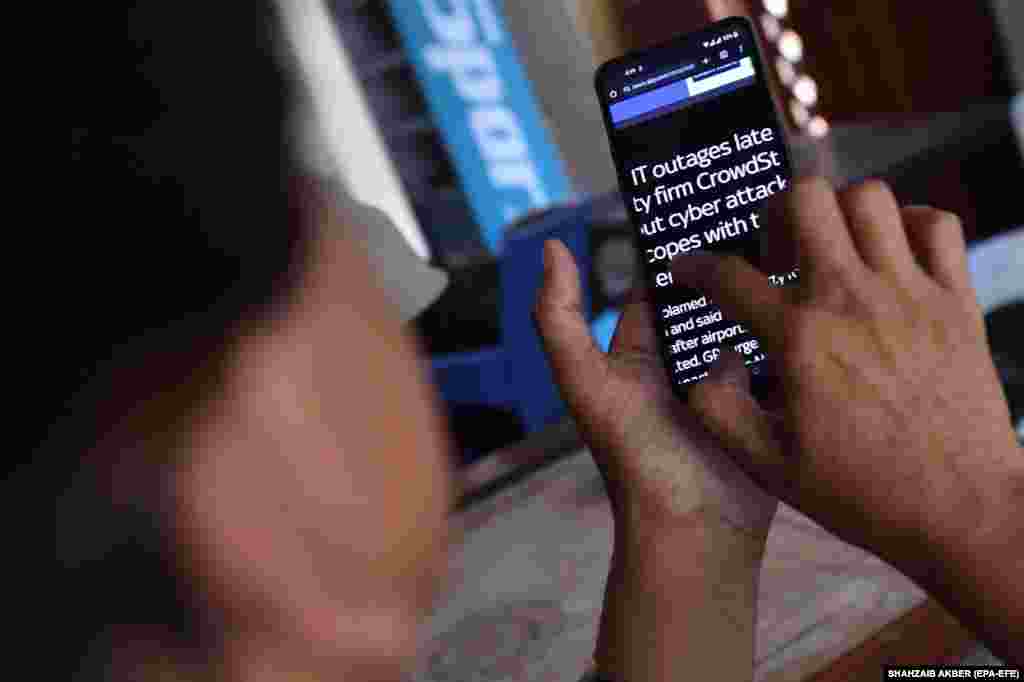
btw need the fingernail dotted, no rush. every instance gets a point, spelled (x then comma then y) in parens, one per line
(549, 244)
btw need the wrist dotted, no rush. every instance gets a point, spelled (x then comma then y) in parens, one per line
(680, 592)
(973, 520)
(687, 560)
(981, 510)
(657, 538)
(973, 566)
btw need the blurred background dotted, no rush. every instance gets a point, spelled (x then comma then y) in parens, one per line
(920, 97)
(473, 125)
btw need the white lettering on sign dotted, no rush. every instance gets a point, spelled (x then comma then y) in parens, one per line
(455, 26)
(467, 58)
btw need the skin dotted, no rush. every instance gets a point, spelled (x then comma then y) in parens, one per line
(690, 527)
(313, 492)
(891, 428)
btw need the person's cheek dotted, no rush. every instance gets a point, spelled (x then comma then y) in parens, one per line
(393, 422)
(319, 487)
(409, 464)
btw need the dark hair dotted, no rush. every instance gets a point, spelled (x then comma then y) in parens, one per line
(181, 222)
(179, 168)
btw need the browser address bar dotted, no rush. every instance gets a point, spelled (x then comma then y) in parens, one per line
(660, 77)
(676, 93)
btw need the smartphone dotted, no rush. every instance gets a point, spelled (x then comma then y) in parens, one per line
(699, 147)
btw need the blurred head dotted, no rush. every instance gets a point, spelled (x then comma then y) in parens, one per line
(249, 465)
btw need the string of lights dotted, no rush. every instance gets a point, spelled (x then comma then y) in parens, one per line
(788, 48)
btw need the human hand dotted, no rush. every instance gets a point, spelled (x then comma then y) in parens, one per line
(893, 430)
(690, 527)
(661, 467)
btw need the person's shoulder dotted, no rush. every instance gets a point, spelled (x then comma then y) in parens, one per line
(410, 282)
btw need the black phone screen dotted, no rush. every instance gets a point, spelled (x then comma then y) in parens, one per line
(699, 147)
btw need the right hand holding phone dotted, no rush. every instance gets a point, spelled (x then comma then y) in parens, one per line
(891, 428)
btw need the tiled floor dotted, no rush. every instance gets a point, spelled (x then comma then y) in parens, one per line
(527, 581)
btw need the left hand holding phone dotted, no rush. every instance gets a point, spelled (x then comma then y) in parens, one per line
(690, 527)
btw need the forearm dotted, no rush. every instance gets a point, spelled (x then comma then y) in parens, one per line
(975, 564)
(681, 604)
(986, 594)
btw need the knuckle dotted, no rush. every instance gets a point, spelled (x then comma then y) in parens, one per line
(542, 311)
(832, 289)
(800, 334)
(548, 312)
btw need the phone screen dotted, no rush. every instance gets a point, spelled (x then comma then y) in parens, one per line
(699, 148)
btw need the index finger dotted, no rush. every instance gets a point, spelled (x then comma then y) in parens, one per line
(818, 229)
(739, 289)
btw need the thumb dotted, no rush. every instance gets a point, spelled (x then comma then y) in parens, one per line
(750, 433)
(579, 366)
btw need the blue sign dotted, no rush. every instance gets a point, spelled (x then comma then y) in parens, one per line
(481, 101)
